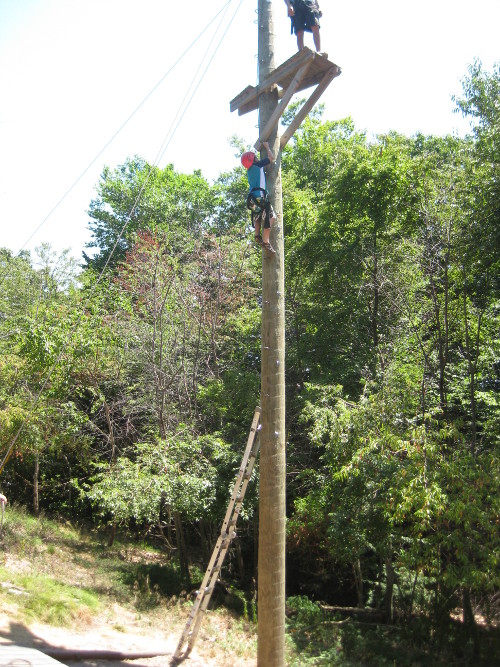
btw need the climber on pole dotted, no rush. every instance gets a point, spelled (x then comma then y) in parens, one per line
(262, 213)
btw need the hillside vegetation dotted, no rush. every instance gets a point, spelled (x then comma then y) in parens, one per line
(127, 390)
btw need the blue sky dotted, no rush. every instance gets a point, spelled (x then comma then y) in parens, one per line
(73, 71)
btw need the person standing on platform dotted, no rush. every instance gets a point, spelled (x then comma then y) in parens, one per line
(305, 16)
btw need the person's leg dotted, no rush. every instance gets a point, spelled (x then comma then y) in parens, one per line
(316, 37)
(300, 40)
(269, 220)
(257, 225)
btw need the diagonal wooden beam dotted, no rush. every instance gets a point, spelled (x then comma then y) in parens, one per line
(281, 107)
(306, 108)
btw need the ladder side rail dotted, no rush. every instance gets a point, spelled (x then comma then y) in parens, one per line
(241, 473)
(201, 594)
(206, 599)
(215, 572)
(237, 501)
(246, 481)
(211, 575)
(192, 624)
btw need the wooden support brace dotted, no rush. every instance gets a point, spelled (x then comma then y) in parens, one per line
(306, 108)
(281, 107)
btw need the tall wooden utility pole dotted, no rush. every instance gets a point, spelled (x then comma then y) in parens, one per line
(271, 96)
(272, 517)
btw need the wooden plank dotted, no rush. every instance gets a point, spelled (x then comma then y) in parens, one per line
(320, 65)
(281, 107)
(306, 108)
(244, 95)
(313, 78)
(247, 100)
(25, 657)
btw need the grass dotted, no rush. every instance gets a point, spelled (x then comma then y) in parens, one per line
(45, 600)
(57, 574)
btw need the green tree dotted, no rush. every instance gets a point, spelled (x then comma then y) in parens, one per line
(137, 197)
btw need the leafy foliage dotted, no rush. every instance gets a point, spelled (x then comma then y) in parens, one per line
(136, 385)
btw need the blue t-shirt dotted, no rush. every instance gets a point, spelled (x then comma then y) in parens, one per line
(256, 176)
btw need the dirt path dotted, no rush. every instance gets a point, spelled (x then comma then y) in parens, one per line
(121, 632)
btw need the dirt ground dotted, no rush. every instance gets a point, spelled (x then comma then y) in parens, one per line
(121, 632)
(222, 641)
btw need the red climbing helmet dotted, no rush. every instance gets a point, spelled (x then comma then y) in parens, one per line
(247, 159)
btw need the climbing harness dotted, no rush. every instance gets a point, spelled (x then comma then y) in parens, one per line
(259, 205)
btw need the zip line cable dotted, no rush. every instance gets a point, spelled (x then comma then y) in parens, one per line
(201, 79)
(163, 149)
(224, 7)
(161, 152)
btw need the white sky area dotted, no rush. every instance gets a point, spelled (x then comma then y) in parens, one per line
(73, 71)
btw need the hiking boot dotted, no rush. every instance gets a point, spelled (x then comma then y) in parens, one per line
(269, 248)
(258, 239)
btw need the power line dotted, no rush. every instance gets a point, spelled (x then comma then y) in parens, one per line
(202, 76)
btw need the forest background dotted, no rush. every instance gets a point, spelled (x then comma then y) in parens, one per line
(129, 386)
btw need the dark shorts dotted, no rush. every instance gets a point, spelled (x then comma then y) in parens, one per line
(306, 15)
(269, 213)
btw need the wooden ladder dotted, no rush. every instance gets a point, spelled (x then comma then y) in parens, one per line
(227, 533)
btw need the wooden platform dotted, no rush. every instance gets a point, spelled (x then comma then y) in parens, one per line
(283, 76)
(303, 70)
(18, 656)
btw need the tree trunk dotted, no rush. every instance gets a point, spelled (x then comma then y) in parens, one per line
(389, 588)
(358, 581)
(240, 563)
(181, 548)
(272, 511)
(471, 365)
(112, 534)
(470, 621)
(112, 457)
(207, 544)
(36, 499)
